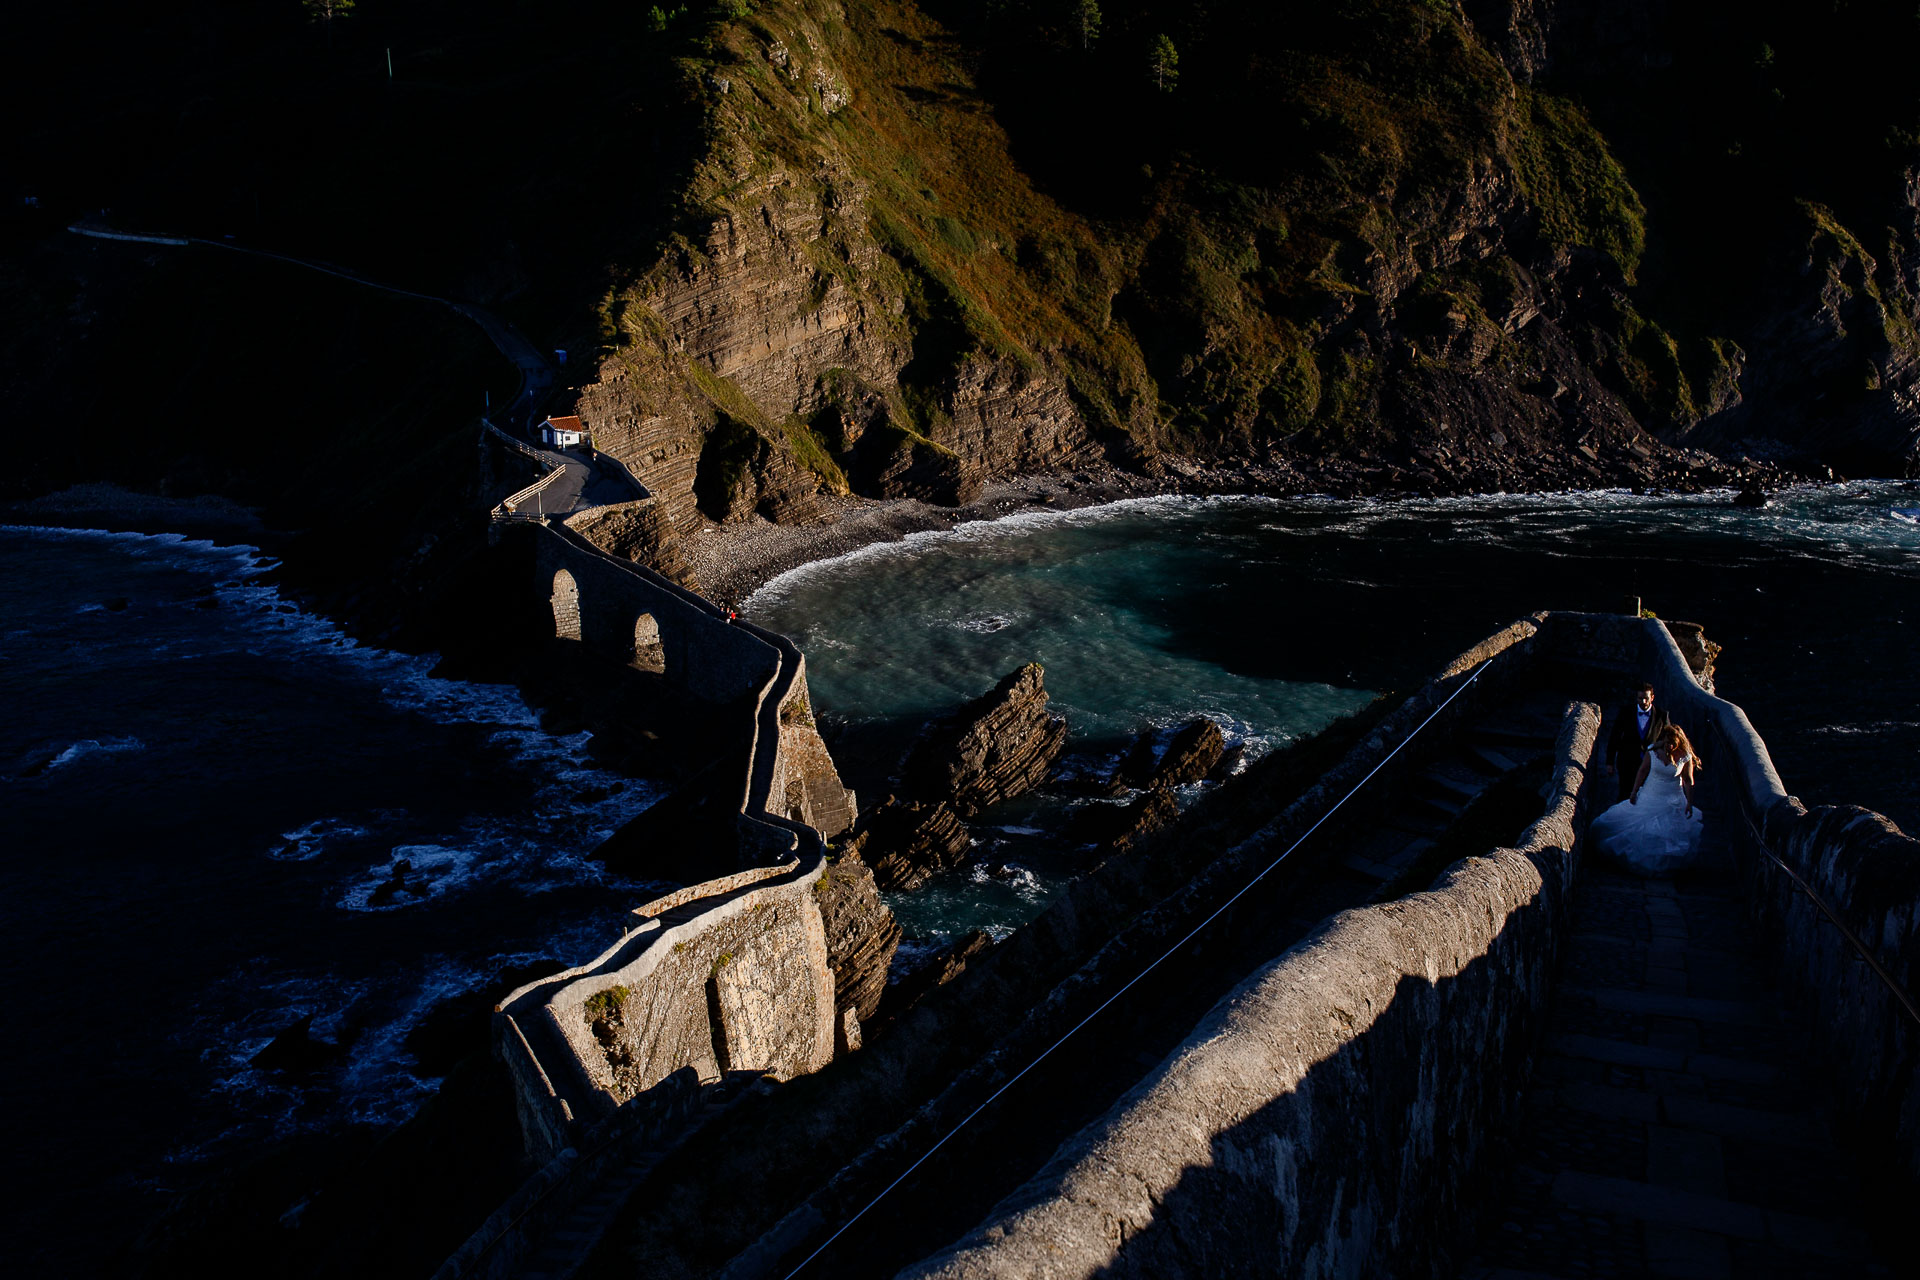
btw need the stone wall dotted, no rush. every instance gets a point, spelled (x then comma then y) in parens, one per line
(1107, 926)
(729, 975)
(1863, 868)
(641, 531)
(1328, 1117)
(732, 982)
(630, 614)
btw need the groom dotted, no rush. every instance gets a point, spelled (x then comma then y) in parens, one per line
(1634, 730)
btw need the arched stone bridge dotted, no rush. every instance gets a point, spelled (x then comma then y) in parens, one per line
(731, 974)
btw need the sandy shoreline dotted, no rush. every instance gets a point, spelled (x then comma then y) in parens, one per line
(732, 561)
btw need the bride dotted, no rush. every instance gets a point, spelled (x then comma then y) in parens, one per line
(1656, 829)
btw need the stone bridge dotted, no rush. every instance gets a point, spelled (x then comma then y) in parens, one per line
(728, 975)
(1340, 1112)
(1414, 1052)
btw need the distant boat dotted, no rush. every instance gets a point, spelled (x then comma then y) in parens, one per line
(1910, 514)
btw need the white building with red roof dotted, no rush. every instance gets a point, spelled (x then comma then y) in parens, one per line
(563, 433)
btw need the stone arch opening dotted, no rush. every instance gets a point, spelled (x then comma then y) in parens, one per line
(566, 606)
(649, 654)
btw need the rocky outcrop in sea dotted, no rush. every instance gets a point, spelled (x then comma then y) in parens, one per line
(1000, 745)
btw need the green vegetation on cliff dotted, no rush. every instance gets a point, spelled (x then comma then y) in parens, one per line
(1333, 223)
(1387, 231)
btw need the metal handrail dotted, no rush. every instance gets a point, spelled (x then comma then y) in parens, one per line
(1898, 992)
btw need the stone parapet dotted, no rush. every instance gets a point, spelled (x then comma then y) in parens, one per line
(738, 980)
(1329, 1116)
(728, 975)
(1863, 869)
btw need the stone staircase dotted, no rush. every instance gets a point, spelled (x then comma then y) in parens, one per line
(1669, 1131)
(1435, 798)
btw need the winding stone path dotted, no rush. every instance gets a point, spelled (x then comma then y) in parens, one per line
(1669, 1131)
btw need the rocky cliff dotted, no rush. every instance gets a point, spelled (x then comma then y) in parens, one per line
(802, 248)
(862, 934)
(1408, 243)
(994, 748)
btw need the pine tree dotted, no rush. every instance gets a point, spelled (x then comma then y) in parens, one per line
(1163, 60)
(1086, 16)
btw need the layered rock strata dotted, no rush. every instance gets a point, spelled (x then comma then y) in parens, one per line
(996, 747)
(907, 842)
(862, 935)
(1699, 651)
(1119, 827)
(1192, 755)
(640, 531)
(936, 970)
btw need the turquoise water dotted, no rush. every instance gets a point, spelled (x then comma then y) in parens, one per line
(1275, 616)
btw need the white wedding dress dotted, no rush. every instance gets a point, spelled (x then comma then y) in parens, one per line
(1656, 835)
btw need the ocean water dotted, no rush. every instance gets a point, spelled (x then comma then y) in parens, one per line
(1273, 616)
(203, 790)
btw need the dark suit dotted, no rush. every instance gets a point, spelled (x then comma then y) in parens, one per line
(1626, 744)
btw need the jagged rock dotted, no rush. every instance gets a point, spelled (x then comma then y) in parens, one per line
(895, 465)
(908, 842)
(1699, 651)
(1119, 827)
(1228, 763)
(936, 971)
(862, 935)
(996, 747)
(1192, 755)
(1832, 361)
(297, 1051)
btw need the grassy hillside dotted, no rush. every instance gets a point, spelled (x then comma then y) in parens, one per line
(1463, 252)
(1320, 226)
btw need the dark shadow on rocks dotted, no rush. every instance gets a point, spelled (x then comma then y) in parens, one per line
(1385, 1153)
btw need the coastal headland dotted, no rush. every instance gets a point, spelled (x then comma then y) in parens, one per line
(812, 275)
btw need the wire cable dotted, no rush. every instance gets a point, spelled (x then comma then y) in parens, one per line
(1164, 956)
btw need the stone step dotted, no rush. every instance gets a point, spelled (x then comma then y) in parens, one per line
(1744, 1013)
(1493, 759)
(1624, 1053)
(1377, 871)
(1431, 807)
(1684, 948)
(1389, 863)
(1531, 735)
(1688, 1111)
(1458, 786)
(1671, 1207)
(1428, 823)
(1747, 1124)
